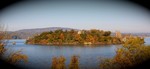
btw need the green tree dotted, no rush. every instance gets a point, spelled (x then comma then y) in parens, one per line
(107, 33)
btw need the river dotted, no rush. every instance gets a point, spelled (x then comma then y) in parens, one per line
(40, 57)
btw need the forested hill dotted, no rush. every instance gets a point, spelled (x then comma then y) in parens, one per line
(72, 37)
(25, 33)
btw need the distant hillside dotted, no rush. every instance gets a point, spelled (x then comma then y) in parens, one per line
(44, 29)
(25, 33)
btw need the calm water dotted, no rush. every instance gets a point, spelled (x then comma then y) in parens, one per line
(39, 57)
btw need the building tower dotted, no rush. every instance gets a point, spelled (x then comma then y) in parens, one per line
(118, 34)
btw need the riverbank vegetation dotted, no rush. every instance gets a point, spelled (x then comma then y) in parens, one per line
(59, 63)
(73, 37)
(14, 57)
(132, 53)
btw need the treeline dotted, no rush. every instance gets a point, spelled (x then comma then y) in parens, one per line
(74, 37)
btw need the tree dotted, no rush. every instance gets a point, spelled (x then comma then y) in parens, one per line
(15, 57)
(89, 38)
(62, 36)
(2, 49)
(74, 63)
(2, 37)
(107, 33)
(59, 31)
(132, 53)
(58, 63)
(78, 38)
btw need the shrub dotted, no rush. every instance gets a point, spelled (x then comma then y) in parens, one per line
(132, 53)
(58, 63)
(74, 63)
(15, 57)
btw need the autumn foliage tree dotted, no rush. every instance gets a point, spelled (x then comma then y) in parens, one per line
(15, 57)
(2, 49)
(132, 53)
(58, 63)
(74, 62)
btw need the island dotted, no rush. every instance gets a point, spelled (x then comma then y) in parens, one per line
(76, 37)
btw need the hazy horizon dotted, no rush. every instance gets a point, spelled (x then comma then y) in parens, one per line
(78, 29)
(104, 15)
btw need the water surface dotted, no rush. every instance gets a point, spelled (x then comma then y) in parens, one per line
(39, 56)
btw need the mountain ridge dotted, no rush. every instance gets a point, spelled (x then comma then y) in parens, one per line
(25, 33)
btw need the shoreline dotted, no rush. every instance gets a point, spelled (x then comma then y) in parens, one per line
(74, 44)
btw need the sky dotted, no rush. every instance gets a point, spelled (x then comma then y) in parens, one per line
(104, 15)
